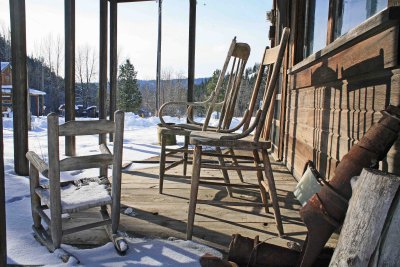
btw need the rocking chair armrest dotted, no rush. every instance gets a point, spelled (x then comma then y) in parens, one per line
(247, 132)
(190, 104)
(38, 163)
(234, 129)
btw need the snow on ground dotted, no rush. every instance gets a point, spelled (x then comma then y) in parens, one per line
(140, 142)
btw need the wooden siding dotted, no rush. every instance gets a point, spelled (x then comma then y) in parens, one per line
(332, 101)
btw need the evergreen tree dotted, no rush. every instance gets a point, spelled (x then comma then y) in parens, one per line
(129, 96)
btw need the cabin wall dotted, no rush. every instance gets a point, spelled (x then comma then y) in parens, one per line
(333, 100)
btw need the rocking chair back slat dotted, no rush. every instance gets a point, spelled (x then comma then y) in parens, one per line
(271, 55)
(272, 83)
(75, 128)
(240, 53)
(86, 162)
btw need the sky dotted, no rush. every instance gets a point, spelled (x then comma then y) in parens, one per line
(218, 21)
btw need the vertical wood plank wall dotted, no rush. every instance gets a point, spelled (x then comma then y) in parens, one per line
(333, 101)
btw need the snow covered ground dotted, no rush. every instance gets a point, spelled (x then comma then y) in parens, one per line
(140, 142)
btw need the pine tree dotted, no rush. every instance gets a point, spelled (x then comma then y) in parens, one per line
(129, 96)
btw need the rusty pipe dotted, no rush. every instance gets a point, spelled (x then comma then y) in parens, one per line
(249, 252)
(326, 210)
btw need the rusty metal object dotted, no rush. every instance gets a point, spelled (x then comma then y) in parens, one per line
(245, 251)
(209, 260)
(326, 210)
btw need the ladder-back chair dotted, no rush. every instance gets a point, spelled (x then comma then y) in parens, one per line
(75, 196)
(238, 54)
(245, 140)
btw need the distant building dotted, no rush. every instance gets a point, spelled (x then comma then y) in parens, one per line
(37, 99)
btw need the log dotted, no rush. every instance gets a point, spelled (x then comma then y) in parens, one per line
(373, 195)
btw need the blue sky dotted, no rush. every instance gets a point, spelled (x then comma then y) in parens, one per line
(218, 21)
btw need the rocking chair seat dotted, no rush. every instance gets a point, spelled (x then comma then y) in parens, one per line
(219, 139)
(79, 195)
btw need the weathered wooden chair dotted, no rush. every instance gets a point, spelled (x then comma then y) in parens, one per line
(70, 197)
(238, 54)
(243, 141)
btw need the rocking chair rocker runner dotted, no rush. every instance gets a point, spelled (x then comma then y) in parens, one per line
(243, 141)
(68, 197)
(238, 53)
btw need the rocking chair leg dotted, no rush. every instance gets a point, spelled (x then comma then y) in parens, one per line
(235, 162)
(185, 155)
(162, 163)
(272, 191)
(120, 244)
(194, 190)
(224, 172)
(260, 178)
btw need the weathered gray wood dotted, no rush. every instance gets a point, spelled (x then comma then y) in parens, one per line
(271, 55)
(37, 163)
(117, 167)
(54, 180)
(3, 232)
(35, 200)
(388, 251)
(194, 189)
(104, 149)
(223, 169)
(75, 128)
(229, 184)
(192, 49)
(370, 202)
(158, 71)
(113, 59)
(272, 192)
(69, 10)
(231, 167)
(162, 163)
(20, 89)
(86, 226)
(103, 63)
(86, 162)
(260, 180)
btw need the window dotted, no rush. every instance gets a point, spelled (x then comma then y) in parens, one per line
(317, 12)
(346, 14)
(351, 13)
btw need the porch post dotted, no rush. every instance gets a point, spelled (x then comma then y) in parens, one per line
(20, 90)
(158, 78)
(103, 64)
(69, 71)
(3, 238)
(192, 48)
(113, 59)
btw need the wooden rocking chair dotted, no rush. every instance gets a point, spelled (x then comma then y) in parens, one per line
(243, 141)
(69, 197)
(238, 53)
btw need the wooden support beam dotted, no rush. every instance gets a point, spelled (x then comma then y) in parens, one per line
(192, 49)
(20, 90)
(158, 73)
(113, 59)
(69, 9)
(103, 64)
(3, 239)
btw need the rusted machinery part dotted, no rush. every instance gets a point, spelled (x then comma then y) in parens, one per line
(245, 251)
(209, 260)
(325, 211)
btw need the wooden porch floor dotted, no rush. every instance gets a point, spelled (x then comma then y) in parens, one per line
(218, 216)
